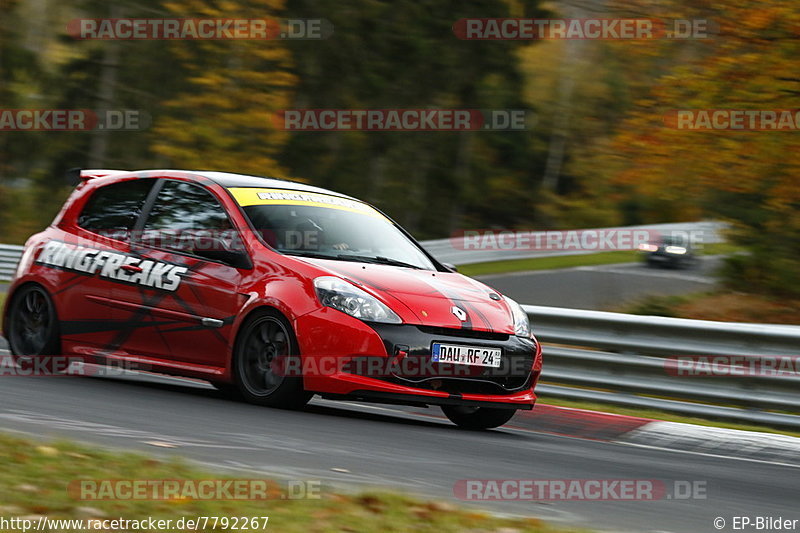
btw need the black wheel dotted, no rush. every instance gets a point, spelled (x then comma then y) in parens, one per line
(265, 347)
(32, 325)
(477, 417)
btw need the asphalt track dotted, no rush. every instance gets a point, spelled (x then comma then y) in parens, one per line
(351, 446)
(603, 287)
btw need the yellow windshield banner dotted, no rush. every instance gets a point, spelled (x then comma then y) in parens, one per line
(247, 196)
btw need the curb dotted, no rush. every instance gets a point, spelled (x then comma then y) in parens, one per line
(581, 423)
(608, 427)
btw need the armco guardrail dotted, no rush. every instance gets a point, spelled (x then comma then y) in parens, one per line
(9, 257)
(627, 360)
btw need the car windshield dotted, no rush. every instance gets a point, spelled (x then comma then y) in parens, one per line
(344, 230)
(672, 241)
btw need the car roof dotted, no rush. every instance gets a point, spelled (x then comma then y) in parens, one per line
(225, 179)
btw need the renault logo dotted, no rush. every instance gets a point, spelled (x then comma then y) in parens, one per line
(460, 313)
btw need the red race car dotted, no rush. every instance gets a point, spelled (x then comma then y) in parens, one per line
(269, 289)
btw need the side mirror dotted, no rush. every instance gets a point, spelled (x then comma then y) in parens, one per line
(217, 249)
(450, 266)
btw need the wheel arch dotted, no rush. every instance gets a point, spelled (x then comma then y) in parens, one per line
(250, 312)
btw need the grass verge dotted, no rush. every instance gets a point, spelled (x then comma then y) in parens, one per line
(570, 261)
(660, 415)
(723, 306)
(548, 263)
(34, 478)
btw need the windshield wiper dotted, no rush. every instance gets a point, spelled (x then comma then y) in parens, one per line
(305, 253)
(378, 260)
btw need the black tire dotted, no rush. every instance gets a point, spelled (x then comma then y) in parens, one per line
(477, 417)
(32, 326)
(265, 341)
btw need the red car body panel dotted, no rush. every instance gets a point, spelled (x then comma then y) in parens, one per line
(167, 331)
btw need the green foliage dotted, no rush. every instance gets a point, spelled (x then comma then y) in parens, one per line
(549, 263)
(598, 155)
(656, 306)
(404, 55)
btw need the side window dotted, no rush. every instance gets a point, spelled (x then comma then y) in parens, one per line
(184, 215)
(113, 210)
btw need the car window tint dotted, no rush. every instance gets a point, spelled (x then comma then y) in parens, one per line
(182, 214)
(113, 210)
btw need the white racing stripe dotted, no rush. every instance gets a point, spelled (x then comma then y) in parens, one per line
(78, 426)
(648, 273)
(661, 447)
(718, 442)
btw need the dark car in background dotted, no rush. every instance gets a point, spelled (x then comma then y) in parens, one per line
(669, 252)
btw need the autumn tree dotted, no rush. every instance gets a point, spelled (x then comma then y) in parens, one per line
(224, 117)
(404, 54)
(749, 178)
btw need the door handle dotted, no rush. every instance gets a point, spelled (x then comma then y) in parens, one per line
(131, 268)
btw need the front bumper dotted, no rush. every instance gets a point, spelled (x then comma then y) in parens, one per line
(411, 365)
(392, 364)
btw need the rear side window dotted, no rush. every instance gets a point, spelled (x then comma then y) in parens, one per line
(113, 210)
(184, 213)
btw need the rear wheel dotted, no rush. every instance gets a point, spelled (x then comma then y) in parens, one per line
(264, 347)
(477, 417)
(32, 325)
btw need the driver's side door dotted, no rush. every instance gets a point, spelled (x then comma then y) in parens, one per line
(184, 309)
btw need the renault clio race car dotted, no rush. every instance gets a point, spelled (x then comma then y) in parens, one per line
(270, 289)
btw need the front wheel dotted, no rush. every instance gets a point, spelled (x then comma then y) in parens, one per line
(264, 345)
(477, 417)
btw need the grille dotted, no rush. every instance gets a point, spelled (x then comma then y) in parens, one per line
(465, 333)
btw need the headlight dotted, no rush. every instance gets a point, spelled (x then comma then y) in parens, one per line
(522, 326)
(680, 250)
(347, 298)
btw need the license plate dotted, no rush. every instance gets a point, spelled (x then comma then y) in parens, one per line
(465, 355)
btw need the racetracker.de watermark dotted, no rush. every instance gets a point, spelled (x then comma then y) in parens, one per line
(212, 29)
(525, 29)
(73, 120)
(67, 365)
(733, 119)
(150, 523)
(578, 490)
(402, 120)
(609, 239)
(193, 489)
(432, 368)
(732, 366)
